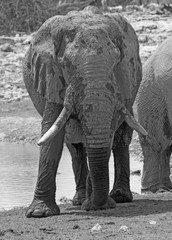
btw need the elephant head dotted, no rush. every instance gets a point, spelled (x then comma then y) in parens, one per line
(90, 62)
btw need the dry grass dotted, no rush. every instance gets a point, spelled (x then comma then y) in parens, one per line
(24, 15)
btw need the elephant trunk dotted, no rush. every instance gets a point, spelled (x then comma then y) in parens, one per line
(99, 174)
(95, 106)
(97, 126)
(95, 111)
(98, 135)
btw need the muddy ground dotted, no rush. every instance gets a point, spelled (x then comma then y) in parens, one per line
(147, 217)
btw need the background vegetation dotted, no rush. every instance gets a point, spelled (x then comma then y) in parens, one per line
(24, 15)
(28, 15)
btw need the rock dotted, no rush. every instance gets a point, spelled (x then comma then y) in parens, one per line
(123, 229)
(7, 86)
(76, 226)
(7, 95)
(96, 228)
(143, 38)
(22, 138)
(7, 48)
(17, 38)
(2, 136)
(65, 200)
(152, 222)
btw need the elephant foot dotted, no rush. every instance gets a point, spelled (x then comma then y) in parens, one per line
(164, 189)
(121, 196)
(79, 197)
(88, 205)
(39, 209)
(158, 189)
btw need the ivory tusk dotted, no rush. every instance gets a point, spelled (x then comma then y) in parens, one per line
(55, 128)
(131, 121)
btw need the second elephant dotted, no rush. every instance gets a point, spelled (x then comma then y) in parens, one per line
(155, 114)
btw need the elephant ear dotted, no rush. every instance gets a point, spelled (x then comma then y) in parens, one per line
(128, 71)
(46, 73)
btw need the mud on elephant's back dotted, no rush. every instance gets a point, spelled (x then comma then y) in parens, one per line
(86, 66)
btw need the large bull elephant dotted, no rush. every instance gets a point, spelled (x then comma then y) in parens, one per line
(155, 114)
(82, 72)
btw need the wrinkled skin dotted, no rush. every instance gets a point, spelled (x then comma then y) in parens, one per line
(155, 114)
(82, 72)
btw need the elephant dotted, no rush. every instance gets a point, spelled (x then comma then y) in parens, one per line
(154, 113)
(82, 72)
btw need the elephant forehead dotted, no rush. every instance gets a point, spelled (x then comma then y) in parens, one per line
(93, 38)
(91, 35)
(85, 21)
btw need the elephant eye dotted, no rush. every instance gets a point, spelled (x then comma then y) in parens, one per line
(70, 35)
(83, 41)
(64, 62)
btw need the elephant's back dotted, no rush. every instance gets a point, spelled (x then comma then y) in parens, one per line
(154, 96)
(157, 72)
(163, 72)
(162, 63)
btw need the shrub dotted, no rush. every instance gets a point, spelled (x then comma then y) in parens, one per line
(24, 15)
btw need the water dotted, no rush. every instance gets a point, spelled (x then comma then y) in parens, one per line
(18, 175)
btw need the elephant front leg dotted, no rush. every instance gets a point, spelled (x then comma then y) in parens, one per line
(80, 169)
(121, 189)
(44, 204)
(165, 170)
(88, 203)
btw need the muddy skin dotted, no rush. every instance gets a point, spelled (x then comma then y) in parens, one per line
(75, 69)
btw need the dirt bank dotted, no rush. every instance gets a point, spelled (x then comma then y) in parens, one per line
(147, 218)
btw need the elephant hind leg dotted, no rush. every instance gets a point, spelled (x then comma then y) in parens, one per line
(150, 180)
(156, 169)
(154, 117)
(121, 189)
(166, 184)
(80, 169)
